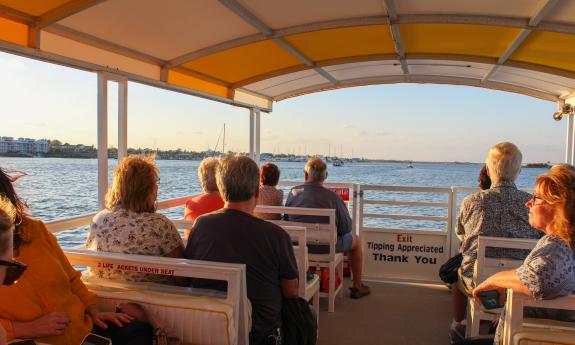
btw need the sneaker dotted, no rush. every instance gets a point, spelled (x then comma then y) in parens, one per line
(359, 293)
(456, 332)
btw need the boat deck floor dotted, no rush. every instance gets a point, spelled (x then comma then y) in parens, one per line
(394, 313)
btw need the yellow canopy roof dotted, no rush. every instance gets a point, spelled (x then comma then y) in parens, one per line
(254, 52)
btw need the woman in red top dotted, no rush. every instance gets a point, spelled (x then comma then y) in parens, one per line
(210, 200)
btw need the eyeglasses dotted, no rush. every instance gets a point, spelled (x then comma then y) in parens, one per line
(14, 270)
(534, 199)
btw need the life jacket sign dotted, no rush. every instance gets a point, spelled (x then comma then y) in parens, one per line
(135, 268)
(342, 192)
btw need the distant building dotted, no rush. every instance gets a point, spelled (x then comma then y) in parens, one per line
(25, 146)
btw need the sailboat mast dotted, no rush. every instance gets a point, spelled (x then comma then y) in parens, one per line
(224, 141)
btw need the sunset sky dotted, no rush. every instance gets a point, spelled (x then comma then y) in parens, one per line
(402, 121)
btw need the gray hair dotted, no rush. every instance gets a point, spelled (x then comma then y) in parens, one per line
(504, 162)
(207, 174)
(316, 169)
(237, 178)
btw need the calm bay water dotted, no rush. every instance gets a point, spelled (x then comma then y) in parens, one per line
(57, 188)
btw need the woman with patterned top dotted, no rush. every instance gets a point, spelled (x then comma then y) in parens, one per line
(269, 195)
(130, 224)
(548, 271)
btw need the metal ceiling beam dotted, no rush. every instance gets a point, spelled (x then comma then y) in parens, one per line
(91, 67)
(540, 13)
(66, 10)
(396, 34)
(376, 20)
(17, 16)
(251, 19)
(414, 78)
(393, 57)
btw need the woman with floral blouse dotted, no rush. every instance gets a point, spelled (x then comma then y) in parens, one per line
(130, 224)
(548, 271)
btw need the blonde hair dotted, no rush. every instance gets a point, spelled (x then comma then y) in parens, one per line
(7, 217)
(557, 188)
(316, 169)
(237, 177)
(504, 162)
(207, 174)
(134, 181)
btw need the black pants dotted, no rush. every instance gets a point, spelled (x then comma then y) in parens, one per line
(134, 333)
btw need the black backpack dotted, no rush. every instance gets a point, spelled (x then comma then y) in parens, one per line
(299, 323)
(448, 271)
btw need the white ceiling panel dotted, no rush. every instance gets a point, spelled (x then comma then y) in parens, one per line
(534, 80)
(564, 11)
(506, 8)
(448, 68)
(163, 29)
(289, 82)
(283, 14)
(368, 69)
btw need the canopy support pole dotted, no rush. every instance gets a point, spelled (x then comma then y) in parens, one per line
(569, 140)
(252, 133)
(257, 136)
(122, 119)
(255, 116)
(102, 139)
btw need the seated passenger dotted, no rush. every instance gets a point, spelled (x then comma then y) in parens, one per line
(498, 212)
(130, 224)
(210, 200)
(548, 271)
(234, 235)
(313, 194)
(50, 303)
(269, 194)
(484, 179)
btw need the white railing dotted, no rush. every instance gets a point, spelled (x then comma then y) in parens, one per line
(441, 237)
(63, 224)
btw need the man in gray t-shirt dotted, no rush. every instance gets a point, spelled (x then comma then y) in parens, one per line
(313, 194)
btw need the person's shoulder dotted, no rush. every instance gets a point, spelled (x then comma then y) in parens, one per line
(31, 228)
(98, 217)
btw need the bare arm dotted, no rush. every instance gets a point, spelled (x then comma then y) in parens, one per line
(177, 252)
(290, 288)
(500, 281)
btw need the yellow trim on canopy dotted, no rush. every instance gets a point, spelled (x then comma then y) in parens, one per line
(33, 7)
(194, 83)
(457, 39)
(13, 32)
(548, 49)
(244, 62)
(344, 42)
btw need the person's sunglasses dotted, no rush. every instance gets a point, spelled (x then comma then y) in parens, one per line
(14, 270)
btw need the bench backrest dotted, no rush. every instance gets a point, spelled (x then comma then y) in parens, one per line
(317, 233)
(298, 234)
(489, 266)
(233, 274)
(514, 322)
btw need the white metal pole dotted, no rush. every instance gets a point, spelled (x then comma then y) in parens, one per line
(122, 119)
(102, 138)
(252, 133)
(569, 139)
(257, 136)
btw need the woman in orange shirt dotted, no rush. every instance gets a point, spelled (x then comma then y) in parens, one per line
(50, 303)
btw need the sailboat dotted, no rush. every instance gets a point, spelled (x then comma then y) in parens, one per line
(410, 165)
